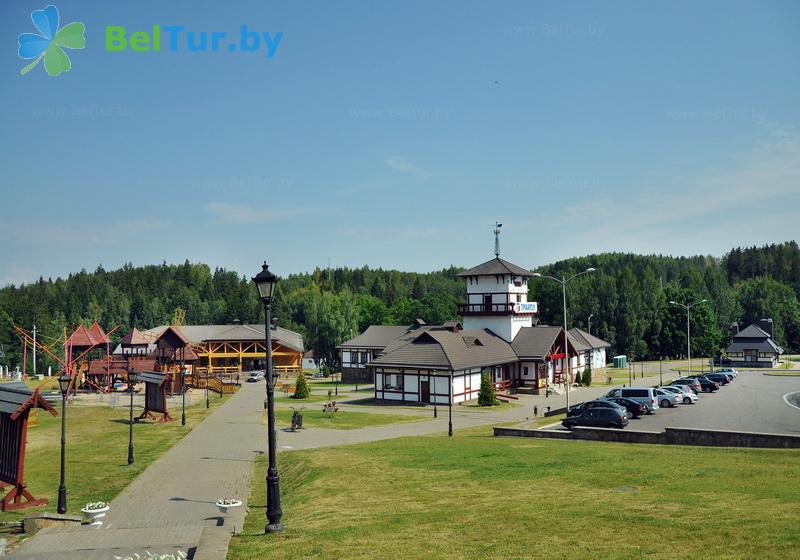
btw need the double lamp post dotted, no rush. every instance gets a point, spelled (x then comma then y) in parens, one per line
(563, 281)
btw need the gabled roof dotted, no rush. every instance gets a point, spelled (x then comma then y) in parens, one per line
(753, 331)
(134, 338)
(377, 337)
(588, 339)
(496, 266)
(175, 332)
(98, 334)
(535, 343)
(198, 334)
(439, 348)
(16, 397)
(81, 338)
(754, 338)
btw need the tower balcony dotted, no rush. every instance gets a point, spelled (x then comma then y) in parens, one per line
(498, 309)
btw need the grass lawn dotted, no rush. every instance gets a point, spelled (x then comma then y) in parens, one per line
(300, 402)
(344, 419)
(475, 496)
(97, 452)
(475, 407)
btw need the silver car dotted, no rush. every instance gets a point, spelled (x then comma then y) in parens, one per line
(666, 399)
(686, 395)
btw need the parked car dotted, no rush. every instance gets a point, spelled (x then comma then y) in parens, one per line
(706, 385)
(597, 416)
(686, 394)
(719, 378)
(730, 371)
(692, 383)
(255, 376)
(634, 408)
(644, 395)
(666, 399)
(581, 408)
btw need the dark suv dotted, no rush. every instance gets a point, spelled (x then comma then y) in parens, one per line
(719, 378)
(600, 417)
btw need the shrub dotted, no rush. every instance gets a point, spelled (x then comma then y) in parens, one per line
(301, 390)
(587, 377)
(486, 396)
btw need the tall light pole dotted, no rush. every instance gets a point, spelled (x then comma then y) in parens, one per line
(63, 385)
(563, 281)
(688, 329)
(590, 323)
(265, 281)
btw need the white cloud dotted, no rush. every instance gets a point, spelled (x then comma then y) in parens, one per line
(402, 165)
(227, 213)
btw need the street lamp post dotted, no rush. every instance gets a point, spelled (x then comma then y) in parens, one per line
(563, 281)
(450, 408)
(63, 384)
(131, 382)
(688, 329)
(265, 281)
(183, 396)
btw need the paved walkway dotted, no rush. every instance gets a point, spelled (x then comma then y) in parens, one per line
(170, 504)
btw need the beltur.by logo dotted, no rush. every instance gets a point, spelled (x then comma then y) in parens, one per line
(48, 44)
(176, 37)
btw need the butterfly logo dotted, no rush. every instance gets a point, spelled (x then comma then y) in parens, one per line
(49, 43)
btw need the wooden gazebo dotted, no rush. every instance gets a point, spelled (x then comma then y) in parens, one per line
(16, 401)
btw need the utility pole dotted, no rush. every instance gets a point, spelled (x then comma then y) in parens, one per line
(34, 350)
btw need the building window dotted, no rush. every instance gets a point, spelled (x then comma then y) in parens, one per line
(363, 357)
(519, 298)
(393, 381)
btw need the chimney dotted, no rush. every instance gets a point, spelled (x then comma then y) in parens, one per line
(735, 328)
(766, 326)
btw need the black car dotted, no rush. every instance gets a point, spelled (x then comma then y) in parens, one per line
(583, 407)
(706, 385)
(598, 416)
(635, 409)
(719, 378)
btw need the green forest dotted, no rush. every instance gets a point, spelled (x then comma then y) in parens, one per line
(628, 297)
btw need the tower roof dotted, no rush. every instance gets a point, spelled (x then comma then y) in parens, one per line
(496, 266)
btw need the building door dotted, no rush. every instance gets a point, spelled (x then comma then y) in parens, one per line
(425, 391)
(487, 303)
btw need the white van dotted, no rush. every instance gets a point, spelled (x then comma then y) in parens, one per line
(644, 395)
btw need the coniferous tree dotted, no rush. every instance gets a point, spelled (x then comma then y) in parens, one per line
(301, 389)
(486, 395)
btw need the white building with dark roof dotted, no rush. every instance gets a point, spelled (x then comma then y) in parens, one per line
(444, 363)
(754, 347)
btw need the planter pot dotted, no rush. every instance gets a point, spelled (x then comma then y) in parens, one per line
(95, 515)
(223, 508)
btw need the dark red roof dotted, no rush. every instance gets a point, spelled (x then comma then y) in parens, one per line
(98, 334)
(134, 338)
(81, 338)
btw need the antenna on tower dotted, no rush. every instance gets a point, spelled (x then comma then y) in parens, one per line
(497, 226)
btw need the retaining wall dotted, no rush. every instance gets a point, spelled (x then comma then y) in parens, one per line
(670, 436)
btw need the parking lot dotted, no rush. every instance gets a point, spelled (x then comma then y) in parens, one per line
(753, 402)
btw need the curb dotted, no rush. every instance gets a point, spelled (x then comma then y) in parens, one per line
(213, 544)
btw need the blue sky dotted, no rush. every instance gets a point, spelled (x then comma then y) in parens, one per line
(394, 134)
